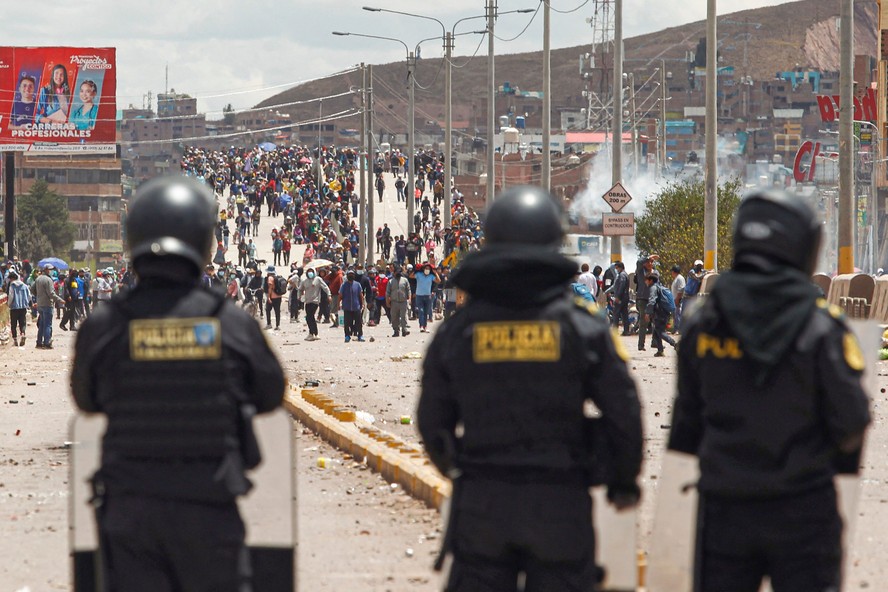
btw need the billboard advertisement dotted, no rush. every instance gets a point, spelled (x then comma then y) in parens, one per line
(58, 99)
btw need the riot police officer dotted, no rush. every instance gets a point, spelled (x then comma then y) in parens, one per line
(504, 385)
(770, 401)
(178, 370)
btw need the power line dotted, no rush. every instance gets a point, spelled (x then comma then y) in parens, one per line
(332, 117)
(234, 112)
(527, 26)
(568, 11)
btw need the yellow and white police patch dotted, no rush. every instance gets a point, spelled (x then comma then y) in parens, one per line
(189, 339)
(853, 355)
(517, 341)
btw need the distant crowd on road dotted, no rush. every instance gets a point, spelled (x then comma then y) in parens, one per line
(283, 183)
(407, 280)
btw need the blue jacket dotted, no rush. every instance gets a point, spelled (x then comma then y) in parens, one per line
(19, 295)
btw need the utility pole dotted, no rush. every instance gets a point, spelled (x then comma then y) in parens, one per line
(320, 168)
(846, 139)
(633, 123)
(370, 208)
(617, 156)
(491, 101)
(662, 142)
(89, 233)
(710, 209)
(448, 132)
(365, 233)
(547, 102)
(9, 203)
(411, 139)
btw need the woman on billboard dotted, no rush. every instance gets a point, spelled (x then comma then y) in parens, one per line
(55, 98)
(84, 116)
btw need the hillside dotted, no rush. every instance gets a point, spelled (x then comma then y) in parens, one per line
(796, 34)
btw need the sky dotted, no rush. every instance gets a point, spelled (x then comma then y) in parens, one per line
(243, 51)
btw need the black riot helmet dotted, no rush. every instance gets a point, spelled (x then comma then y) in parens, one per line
(172, 216)
(525, 215)
(779, 226)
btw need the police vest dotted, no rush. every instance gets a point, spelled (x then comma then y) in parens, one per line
(175, 396)
(520, 379)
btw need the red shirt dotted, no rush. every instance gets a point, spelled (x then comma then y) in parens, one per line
(381, 285)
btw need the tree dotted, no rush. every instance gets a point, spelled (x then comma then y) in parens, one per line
(228, 114)
(43, 225)
(672, 223)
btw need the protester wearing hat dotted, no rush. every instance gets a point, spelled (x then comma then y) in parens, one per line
(656, 315)
(103, 287)
(43, 290)
(274, 287)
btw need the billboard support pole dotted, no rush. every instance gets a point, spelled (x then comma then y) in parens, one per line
(9, 202)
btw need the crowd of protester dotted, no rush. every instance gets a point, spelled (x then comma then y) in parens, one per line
(311, 196)
(323, 216)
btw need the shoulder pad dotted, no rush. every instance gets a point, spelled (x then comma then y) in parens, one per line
(833, 310)
(590, 307)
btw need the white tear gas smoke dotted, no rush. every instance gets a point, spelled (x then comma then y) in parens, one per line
(589, 205)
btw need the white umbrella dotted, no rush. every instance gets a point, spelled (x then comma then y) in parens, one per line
(316, 263)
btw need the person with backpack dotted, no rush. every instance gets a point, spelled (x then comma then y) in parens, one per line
(660, 305)
(275, 287)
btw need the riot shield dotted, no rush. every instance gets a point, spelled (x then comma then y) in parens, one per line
(268, 511)
(615, 543)
(84, 458)
(848, 485)
(671, 553)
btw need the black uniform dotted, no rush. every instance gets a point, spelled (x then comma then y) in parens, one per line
(770, 401)
(179, 371)
(514, 368)
(173, 456)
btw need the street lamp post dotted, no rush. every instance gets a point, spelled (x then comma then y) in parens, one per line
(411, 109)
(448, 85)
(369, 139)
(448, 129)
(617, 150)
(710, 206)
(364, 233)
(491, 101)
(411, 139)
(546, 181)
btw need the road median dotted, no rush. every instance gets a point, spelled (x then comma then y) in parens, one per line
(397, 461)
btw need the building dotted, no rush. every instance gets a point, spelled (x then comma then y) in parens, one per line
(92, 186)
(153, 143)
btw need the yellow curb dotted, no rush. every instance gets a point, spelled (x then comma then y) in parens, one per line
(397, 461)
